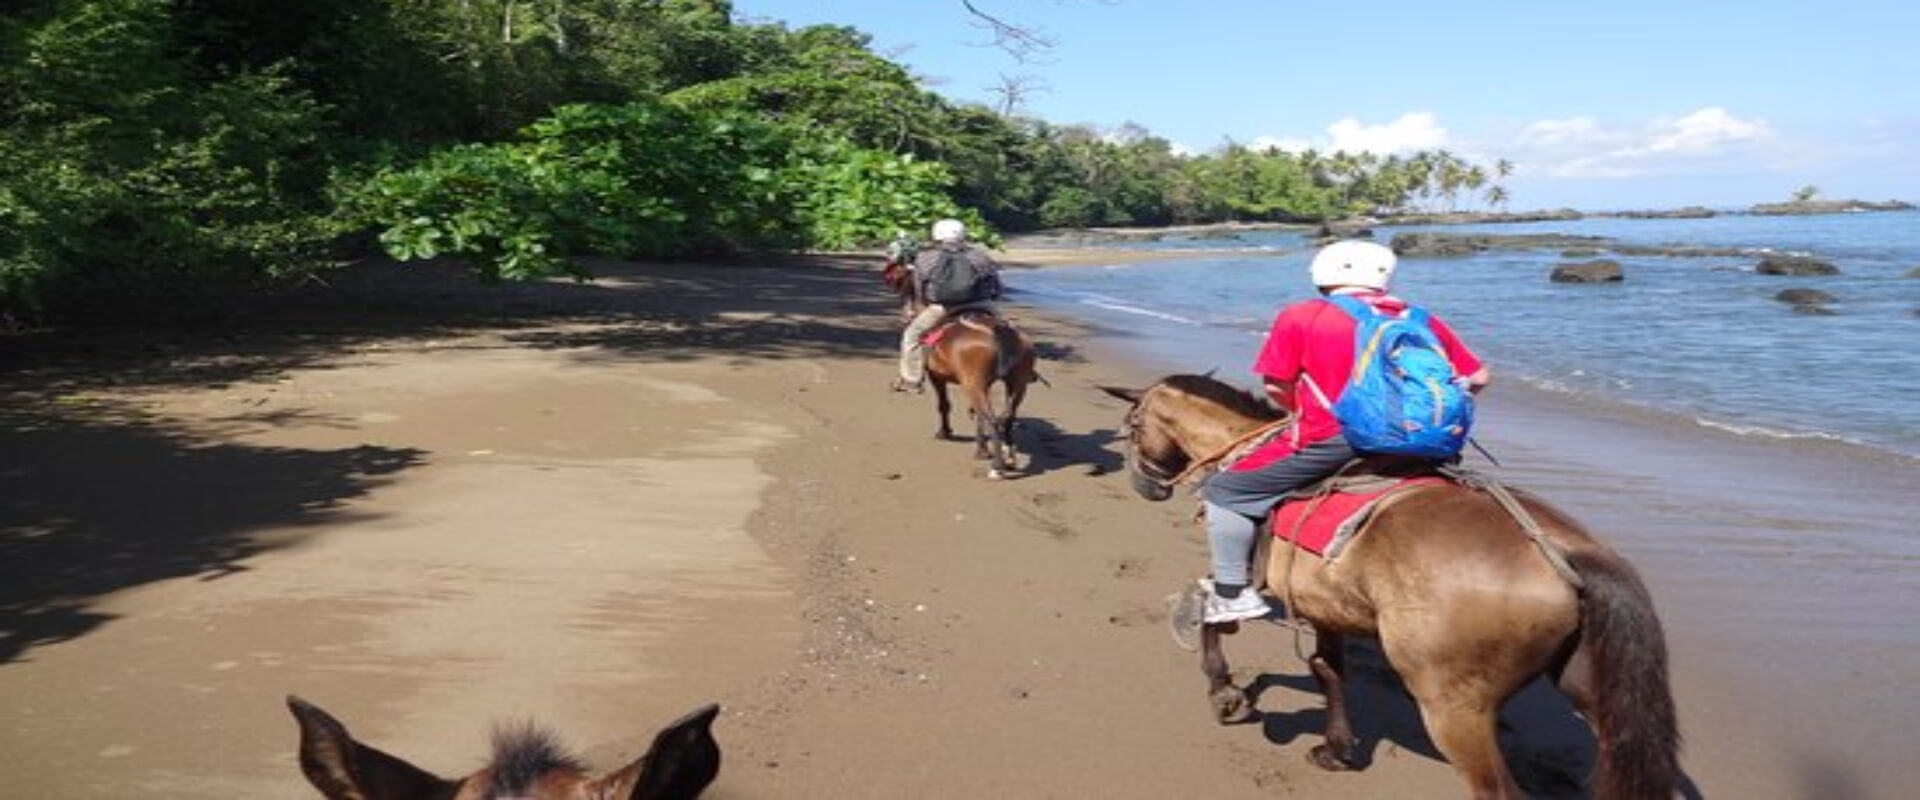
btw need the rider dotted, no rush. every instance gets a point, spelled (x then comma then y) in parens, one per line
(1310, 338)
(950, 240)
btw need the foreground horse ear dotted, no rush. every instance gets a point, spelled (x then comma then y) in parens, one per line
(1129, 395)
(683, 760)
(344, 769)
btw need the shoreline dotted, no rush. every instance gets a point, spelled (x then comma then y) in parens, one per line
(762, 524)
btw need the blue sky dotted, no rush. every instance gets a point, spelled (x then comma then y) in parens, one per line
(1623, 104)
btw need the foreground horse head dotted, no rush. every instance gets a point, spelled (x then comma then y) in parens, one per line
(527, 765)
(975, 351)
(1463, 599)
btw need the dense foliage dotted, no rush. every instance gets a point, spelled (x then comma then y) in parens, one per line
(154, 147)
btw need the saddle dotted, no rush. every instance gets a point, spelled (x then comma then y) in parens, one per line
(1323, 517)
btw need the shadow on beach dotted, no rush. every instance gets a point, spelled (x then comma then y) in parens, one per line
(100, 499)
(97, 495)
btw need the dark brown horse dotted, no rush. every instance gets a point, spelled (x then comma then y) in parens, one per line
(526, 764)
(974, 350)
(1466, 606)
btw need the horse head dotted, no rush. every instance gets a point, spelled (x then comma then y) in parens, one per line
(1153, 459)
(527, 765)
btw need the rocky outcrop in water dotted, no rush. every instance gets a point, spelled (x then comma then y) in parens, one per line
(1481, 217)
(1801, 207)
(1466, 244)
(1443, 245)
(1794, 265)
(1688, 212)
(1806, 301)
(1597, 271)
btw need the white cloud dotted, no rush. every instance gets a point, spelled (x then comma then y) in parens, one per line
(1707, 129)
(1580, 147)
(1414, 130)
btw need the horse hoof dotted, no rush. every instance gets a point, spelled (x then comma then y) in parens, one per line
(994, 475)
(1230, 706)
(1322, 756)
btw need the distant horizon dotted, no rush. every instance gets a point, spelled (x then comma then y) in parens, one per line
(1651, 105)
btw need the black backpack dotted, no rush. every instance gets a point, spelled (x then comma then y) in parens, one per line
(955, 279)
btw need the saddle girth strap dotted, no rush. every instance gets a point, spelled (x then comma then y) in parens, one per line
(1498, 491)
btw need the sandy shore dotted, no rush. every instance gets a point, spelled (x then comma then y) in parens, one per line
(429, 507)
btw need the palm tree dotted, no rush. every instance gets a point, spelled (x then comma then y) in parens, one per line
(1497, 196)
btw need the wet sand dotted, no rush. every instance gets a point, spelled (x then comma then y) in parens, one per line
(429, 508)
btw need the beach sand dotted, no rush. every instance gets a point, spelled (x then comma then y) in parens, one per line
(429, 507)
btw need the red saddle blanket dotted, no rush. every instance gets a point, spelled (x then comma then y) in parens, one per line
(953, 323)
(1325, 516)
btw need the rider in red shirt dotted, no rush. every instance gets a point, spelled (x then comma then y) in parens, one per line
(1308, 353)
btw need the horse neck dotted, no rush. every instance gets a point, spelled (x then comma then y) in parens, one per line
(1212, 429)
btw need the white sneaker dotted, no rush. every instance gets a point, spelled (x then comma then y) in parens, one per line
(1218, 610)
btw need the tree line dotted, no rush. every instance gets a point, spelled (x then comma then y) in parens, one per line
(152, 147)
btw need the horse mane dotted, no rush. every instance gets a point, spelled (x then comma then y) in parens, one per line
(1210, 388)
(523, 753)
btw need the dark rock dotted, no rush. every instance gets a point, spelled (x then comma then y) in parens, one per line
(1803, 297)
(1598, 271)
(1340, 230)
(1814, 309)
(1794, 265)
(1912, 273)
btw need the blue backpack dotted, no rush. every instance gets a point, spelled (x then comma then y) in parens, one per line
(1404, 397)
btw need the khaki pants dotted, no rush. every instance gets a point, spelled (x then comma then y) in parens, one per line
(913, 356)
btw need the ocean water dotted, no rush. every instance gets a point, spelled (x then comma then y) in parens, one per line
(1701, 339)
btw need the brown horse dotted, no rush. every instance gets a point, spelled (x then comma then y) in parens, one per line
(976, 350)
(1465, 604)
(526, 764)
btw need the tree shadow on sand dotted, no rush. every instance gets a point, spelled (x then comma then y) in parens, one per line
(95, 499)
(1550, 750)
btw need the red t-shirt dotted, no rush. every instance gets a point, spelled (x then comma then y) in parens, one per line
(1315, 338)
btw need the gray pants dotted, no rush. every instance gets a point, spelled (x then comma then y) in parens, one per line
(1236, 502)
(913, 356)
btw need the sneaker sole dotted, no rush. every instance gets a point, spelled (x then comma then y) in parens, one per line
(1185, 616)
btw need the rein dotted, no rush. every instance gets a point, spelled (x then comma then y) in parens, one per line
(1223, 452)
(1530, 526)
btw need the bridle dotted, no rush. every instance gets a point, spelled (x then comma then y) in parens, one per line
(1154, 473)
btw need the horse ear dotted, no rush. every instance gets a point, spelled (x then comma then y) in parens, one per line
(344, 769)
(683, 760)
(1129, 395)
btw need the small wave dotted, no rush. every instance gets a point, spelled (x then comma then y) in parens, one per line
(1127, 308)
(1772, 433)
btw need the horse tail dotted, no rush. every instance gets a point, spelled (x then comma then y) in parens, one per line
(1006, 348)
(1631, 701)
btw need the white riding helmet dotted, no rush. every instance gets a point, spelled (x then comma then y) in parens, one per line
(1354, 263)
(949, 230)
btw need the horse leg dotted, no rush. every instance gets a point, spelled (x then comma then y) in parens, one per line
(1230, 703)
(1329, 664)
(1016, 392)
(944, 405)
(1465, 733)
(1459, 694)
